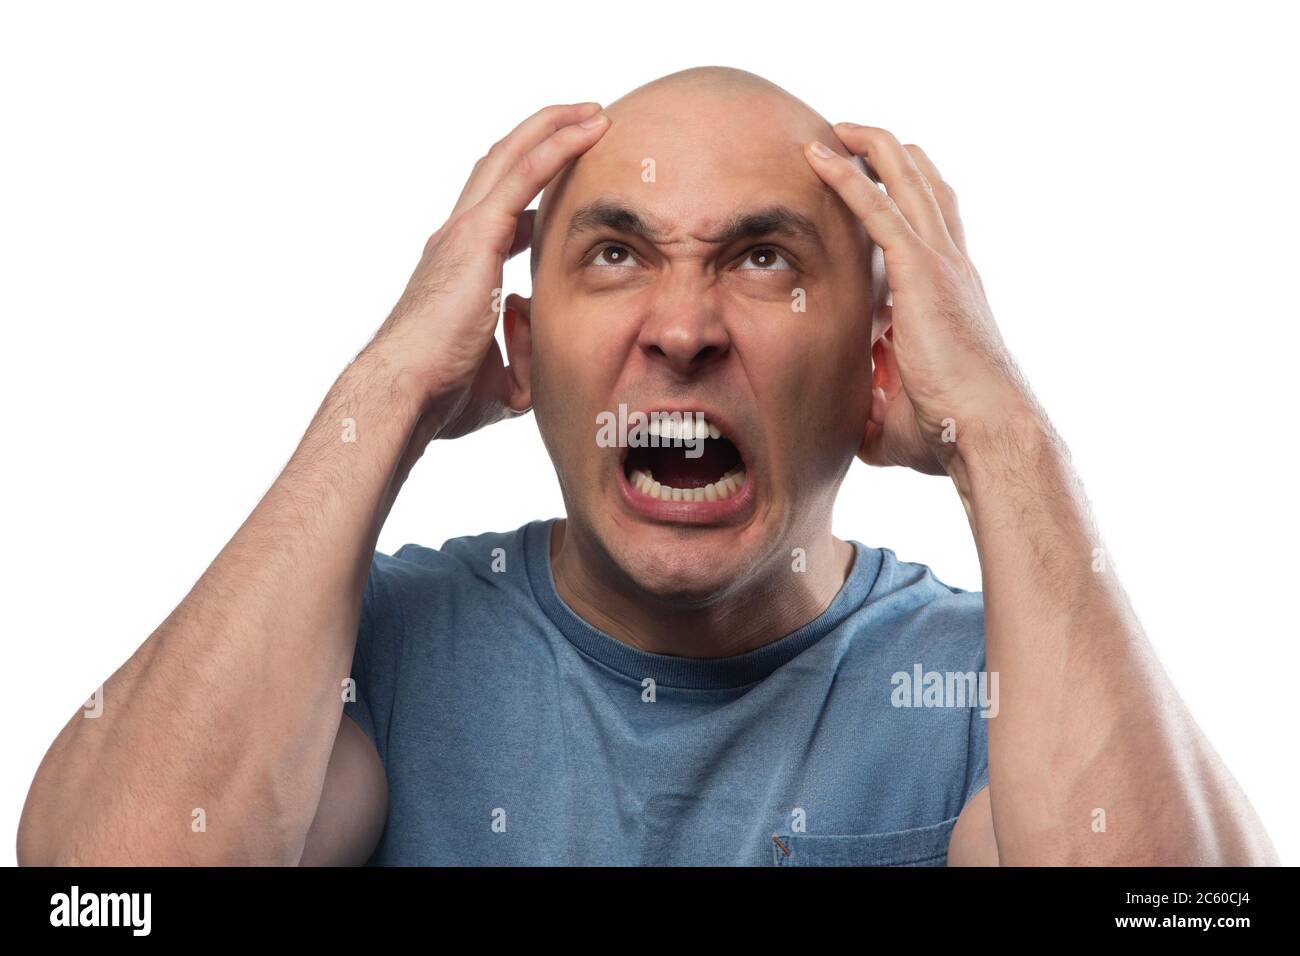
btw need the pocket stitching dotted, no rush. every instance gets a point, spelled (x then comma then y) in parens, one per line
(927, 854)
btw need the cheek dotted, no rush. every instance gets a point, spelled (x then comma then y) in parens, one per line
(803, 361)
(848, 386)
(574, 368)
(814, 390)
(583, 344)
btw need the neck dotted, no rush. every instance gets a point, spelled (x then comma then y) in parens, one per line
(762, 611)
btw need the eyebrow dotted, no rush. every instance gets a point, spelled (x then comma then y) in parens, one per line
(770, 220)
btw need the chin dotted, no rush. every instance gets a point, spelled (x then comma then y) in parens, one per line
(683, 569)
(683, 566)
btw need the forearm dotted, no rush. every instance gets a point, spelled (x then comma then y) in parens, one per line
(1090, 732)
(231, 706)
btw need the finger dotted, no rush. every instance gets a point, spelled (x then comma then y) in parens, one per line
(523, 233)
(507, 200)
(943, 194)
(507, 151)
(907, 185)
(885, 222)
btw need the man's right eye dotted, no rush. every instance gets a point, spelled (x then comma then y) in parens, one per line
(614, 255)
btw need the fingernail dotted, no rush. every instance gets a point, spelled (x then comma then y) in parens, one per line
(821, 149)
(591, 122)
(850, 125)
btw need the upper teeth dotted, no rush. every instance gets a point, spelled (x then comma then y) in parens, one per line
(684, 426)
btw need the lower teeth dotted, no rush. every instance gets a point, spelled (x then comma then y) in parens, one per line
(726, 486)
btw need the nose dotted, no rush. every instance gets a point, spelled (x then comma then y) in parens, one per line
(684, 329)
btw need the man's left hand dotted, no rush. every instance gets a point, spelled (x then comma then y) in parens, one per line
(941, 371)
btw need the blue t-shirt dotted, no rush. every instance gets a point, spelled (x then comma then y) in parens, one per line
(513, 732)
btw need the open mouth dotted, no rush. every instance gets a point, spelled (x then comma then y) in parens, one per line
(688, 459)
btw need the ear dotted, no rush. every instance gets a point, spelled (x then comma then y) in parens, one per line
(519, 350)
(880, 294)
(884, 364)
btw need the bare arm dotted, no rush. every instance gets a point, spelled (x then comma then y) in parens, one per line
(1088, 723)
(1093, 757)
(225, 717)
(353, 803)
(220, 739)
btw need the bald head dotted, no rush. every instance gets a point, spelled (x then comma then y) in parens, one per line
(720, 82)
(734, 109)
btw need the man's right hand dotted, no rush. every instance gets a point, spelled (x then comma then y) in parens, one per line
(440, 338)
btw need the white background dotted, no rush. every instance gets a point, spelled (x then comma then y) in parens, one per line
(206, 210)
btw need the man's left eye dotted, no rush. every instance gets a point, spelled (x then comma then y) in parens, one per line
(765, 259)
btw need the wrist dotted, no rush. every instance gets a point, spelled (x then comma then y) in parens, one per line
(360, 434)
(380, 367)
(375, 385)
(1013, 442)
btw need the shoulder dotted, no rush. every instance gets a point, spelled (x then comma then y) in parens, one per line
(919, 611)
(489, 557)
(911, 582)
(418, 583)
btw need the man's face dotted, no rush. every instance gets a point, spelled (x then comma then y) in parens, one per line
(765, 329)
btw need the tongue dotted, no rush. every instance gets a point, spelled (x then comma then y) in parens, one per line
(671, 466)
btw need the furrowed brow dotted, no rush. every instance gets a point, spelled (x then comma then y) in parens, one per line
(769, 221)
(614, 216)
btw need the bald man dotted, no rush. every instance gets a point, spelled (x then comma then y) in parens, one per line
(689, 668)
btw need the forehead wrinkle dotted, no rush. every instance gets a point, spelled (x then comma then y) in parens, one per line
(621, 216)
(776, 219)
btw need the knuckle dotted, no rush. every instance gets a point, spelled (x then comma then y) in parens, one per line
(479, 228)
(957, 273)
(528, 164)
(871, 135)
(932, 261)
(882, 200)
(460, 233)
(872, 195)
(915, 179)
(952, 273)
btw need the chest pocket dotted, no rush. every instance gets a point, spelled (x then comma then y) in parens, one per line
(923, 846)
